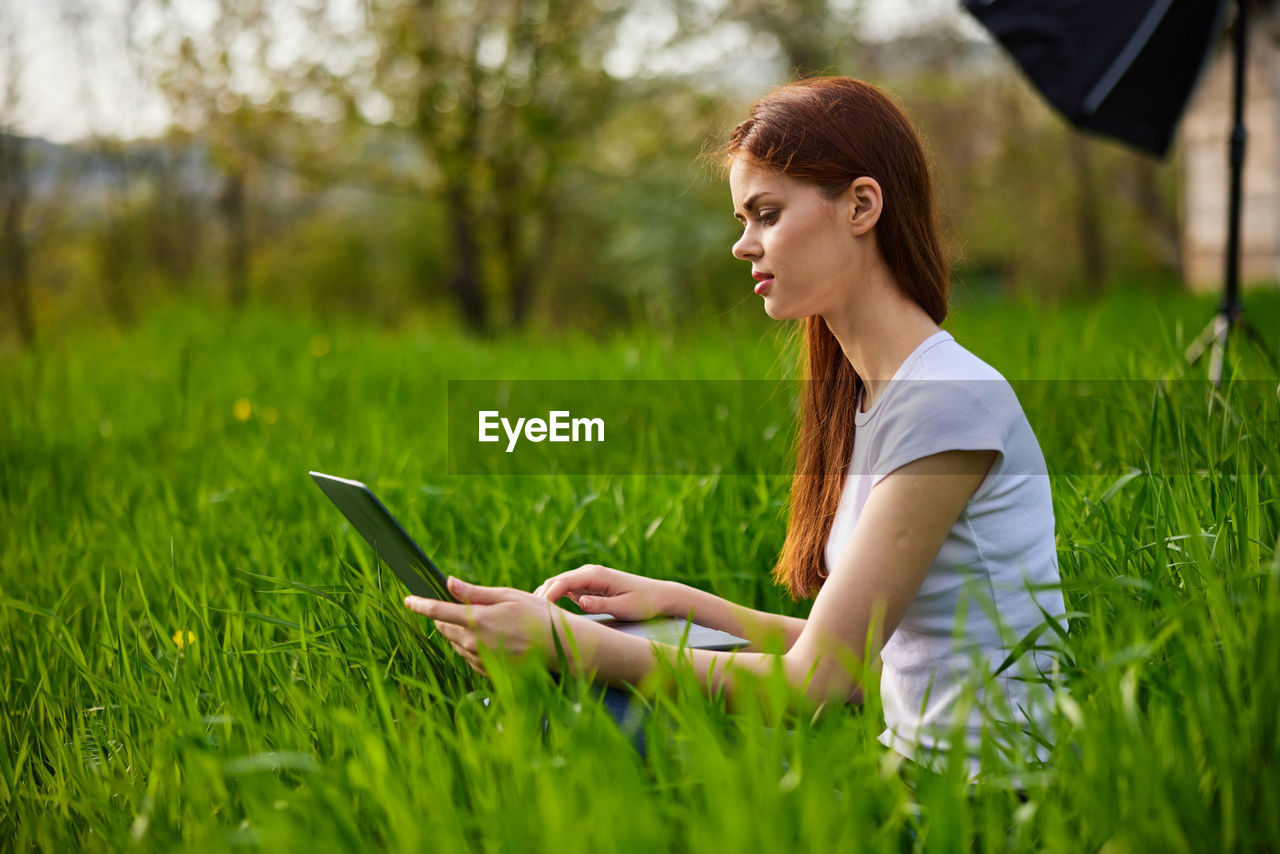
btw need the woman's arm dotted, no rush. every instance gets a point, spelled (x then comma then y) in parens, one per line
(602, 590)
(902, 527)
(766, 631)
(898, 536)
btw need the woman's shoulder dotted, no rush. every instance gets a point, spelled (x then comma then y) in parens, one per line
(943, 358)
(947, 378)
(950, 399)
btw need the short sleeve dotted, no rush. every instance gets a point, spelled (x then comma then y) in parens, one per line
(920, 418)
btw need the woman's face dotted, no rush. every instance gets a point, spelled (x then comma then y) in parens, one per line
(803, 251)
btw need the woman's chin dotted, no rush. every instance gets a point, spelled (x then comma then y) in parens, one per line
(776, 311)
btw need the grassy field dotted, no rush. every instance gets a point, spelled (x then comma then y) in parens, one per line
(196, 654)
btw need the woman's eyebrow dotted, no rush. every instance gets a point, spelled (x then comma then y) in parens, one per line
(750, 203)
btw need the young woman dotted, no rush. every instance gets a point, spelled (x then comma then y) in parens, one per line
(920, 511)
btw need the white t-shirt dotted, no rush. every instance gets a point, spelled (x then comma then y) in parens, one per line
(995, 572)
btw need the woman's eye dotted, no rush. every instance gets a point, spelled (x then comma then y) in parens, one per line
(768, 217)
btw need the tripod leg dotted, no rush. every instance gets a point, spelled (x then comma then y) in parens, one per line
(1218, 355)
(1206, 337)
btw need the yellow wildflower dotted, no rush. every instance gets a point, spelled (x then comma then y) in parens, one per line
(182, 640)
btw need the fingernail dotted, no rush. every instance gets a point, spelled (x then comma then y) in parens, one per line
(454, 582)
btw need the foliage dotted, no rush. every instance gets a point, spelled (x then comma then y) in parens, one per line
(488, 162)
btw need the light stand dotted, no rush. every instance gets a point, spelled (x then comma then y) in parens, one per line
(1231, 312)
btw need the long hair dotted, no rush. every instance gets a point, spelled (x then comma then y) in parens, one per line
(829, 131)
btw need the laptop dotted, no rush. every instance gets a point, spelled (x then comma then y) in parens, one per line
(418, 573)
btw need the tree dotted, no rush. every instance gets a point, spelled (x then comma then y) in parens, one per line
(499, 93)
(808, 31)
(198, 81)
(15, 284)
(14, 276)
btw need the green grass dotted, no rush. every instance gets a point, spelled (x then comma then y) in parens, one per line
(312, 711)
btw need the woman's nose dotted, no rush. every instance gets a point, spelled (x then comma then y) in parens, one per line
(746, 247)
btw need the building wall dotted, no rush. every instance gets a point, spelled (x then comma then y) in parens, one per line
(1205, 131)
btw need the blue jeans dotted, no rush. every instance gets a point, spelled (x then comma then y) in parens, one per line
(629, 713)
(626, 710)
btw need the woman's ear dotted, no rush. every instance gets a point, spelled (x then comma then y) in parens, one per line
(865, 203)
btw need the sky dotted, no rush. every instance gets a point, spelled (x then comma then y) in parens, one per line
(66, 71)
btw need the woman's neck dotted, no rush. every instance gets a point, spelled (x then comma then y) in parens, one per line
(879, 332)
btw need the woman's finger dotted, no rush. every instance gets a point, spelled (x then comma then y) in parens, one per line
(575, 582)
(545, 588)
(457, 636)
(459, 614)
(546, 584)
(445, 630)
(479, 594)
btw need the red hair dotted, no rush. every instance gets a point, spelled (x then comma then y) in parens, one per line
(829, 131)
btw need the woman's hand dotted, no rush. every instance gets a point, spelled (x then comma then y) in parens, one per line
(601, 590)
(497, 617)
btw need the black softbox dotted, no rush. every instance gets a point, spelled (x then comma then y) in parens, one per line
(1124, 68)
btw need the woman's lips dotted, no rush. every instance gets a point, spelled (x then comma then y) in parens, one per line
(763, 280)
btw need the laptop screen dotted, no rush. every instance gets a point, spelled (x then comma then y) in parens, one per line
(390, 542)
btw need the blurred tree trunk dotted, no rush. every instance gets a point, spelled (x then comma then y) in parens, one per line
(525, 174)
(1088, 214)
(14, 272)
(231, 204)
(510, 240)
(198, 80)
(167, 230)
(115, 240)
(455, 146)
(174, 229)
(522, 241)
(464, 280)
(1159, 214)
(521, 274)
